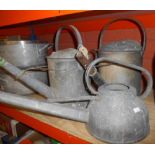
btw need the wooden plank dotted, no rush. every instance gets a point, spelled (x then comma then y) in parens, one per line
(77, 129)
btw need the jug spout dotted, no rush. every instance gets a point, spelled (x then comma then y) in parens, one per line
(55, 109)
(33, 83)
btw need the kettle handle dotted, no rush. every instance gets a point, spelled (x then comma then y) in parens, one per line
(136, 22)
(132, 66)
(74, 30)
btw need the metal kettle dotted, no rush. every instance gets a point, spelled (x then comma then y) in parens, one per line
(115, 113)
(127, 51)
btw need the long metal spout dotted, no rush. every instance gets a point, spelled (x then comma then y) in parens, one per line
(33, 83)
(55, 109)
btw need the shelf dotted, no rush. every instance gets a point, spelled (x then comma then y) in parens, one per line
(67, 131)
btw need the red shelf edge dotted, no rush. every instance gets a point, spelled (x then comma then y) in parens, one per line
(42, 127)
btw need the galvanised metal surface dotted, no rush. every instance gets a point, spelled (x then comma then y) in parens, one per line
(55, 109)
(127, 51)
(113, 73)
(66, 75)
(29, 81)
(9, 83)
(24, 53)
(118, 115)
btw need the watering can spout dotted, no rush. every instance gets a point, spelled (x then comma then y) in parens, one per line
(54, 109)
(33, 83)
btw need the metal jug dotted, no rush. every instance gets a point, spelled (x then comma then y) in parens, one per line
(128, 51)
(115, 115)
(29, 56)
(65, 73)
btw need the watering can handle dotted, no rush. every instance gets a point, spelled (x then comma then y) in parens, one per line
(136, 22)
(75, 32)
(132, 66)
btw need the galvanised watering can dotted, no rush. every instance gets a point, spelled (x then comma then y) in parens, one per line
(128, 51)
(115, 113)
(65, 73)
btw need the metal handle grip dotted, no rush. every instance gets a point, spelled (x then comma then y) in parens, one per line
(136, 22)
(132, 66)
(74, 30)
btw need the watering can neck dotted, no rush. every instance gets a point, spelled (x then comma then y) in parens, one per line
(116, 88)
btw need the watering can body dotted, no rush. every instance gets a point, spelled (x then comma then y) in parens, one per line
(124, 116)
(127, 51)
(65, 74)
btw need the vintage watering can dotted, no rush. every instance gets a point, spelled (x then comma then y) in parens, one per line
(30, 56)
(128, 51)
(115, 113)
(65, 73)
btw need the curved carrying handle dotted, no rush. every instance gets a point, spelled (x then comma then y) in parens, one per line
(132, 66)
(74, 30)
(136, 22)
